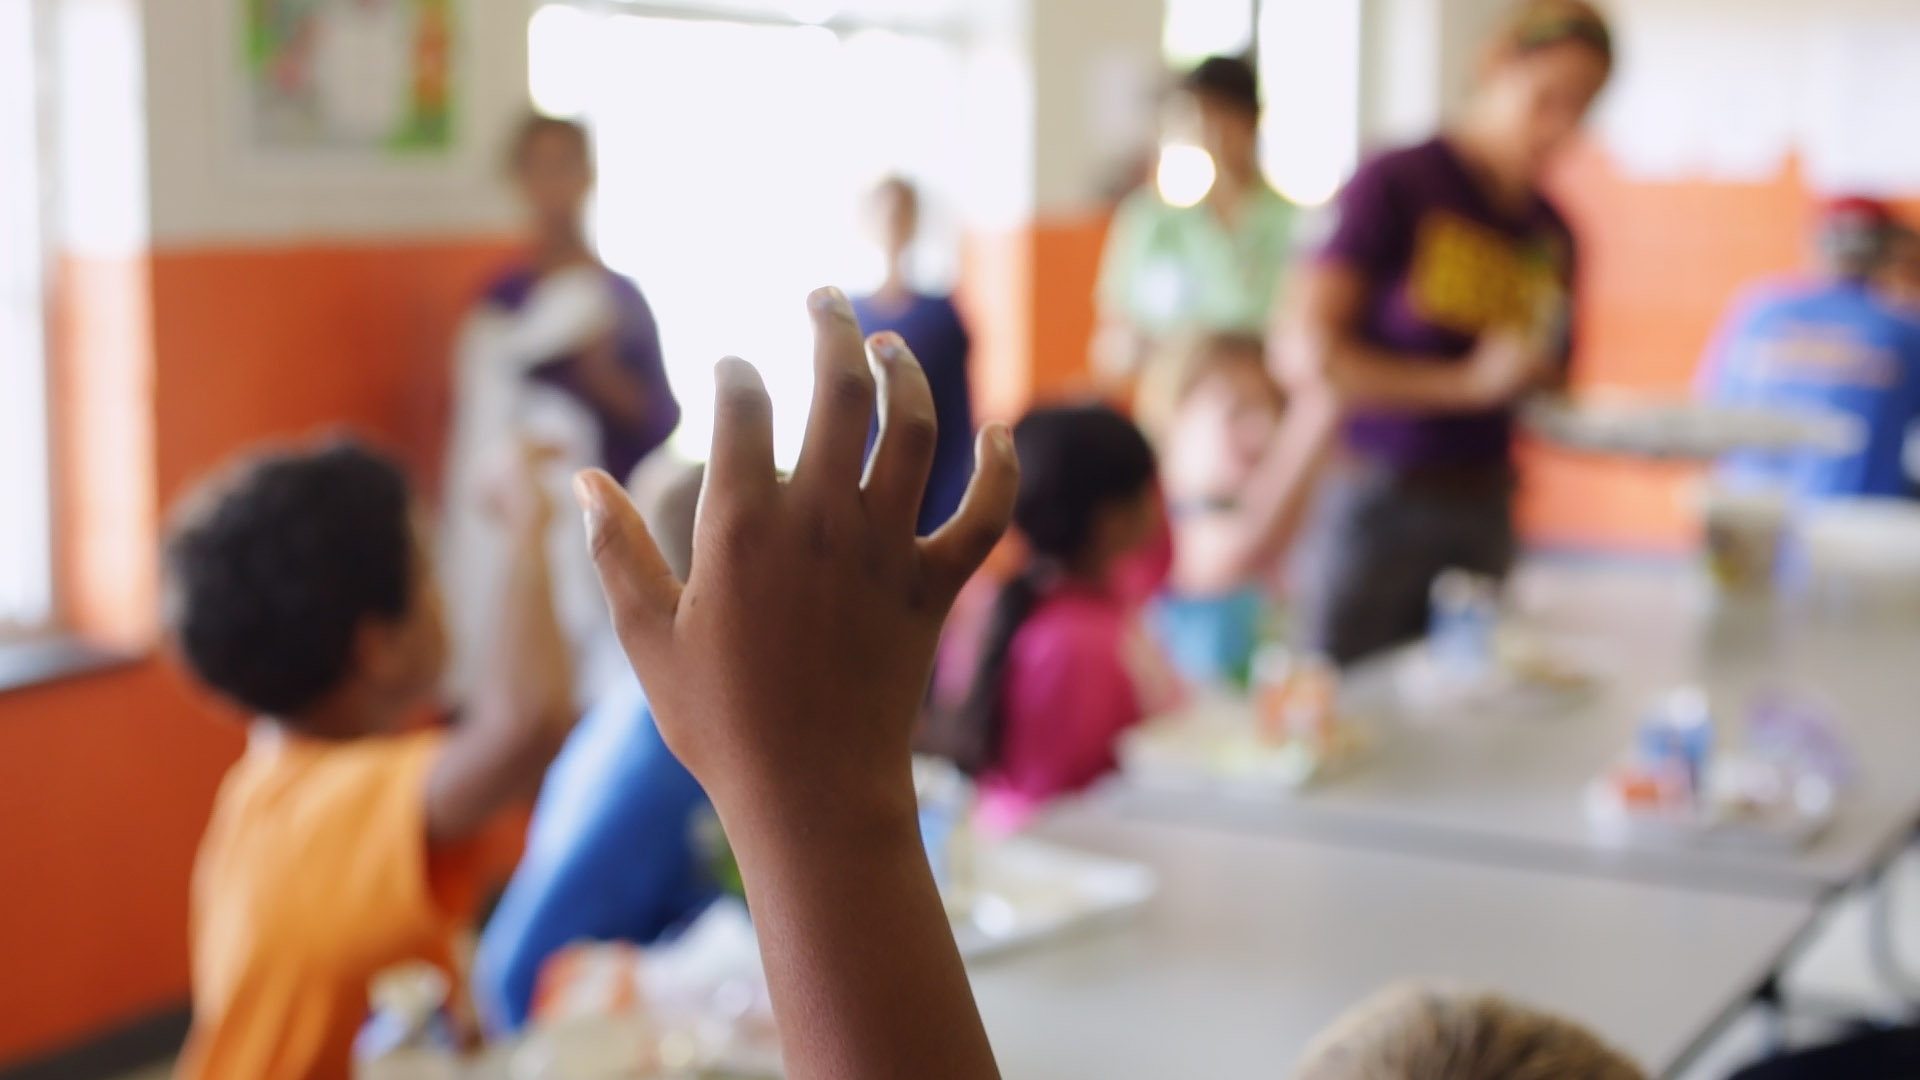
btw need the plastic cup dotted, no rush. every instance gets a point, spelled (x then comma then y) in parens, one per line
(1743, 530)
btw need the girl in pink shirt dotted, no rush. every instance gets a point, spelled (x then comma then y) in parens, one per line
(1062, 667)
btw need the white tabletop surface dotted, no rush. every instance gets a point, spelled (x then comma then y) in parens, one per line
(1505, 785)
(1256, 942)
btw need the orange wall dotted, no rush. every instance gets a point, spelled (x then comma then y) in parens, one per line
(105, 781)
(1028, 298)
(256, 344)
(1066, 263)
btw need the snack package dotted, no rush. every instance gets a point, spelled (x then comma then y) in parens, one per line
(410, 1030)
(1677, 735)
(1296, 697)
(590, 1019)
(1797, 732)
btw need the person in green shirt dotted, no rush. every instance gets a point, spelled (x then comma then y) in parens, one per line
(1213, 267)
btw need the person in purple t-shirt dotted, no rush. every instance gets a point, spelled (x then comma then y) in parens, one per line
(1443, 296)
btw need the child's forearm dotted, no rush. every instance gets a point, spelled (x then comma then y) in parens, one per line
(523, 709)
(803, 739)
(860, 960)
(1278, 491)
(532, 658)
(1217, 556)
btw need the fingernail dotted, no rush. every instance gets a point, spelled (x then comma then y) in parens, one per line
(1002, 438)
(589, 500)
(830, 300)
(889, 347)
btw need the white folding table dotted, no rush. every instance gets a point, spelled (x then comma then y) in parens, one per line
(1256, 942)
(1505, 786)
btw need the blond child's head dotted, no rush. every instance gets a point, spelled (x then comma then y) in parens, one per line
(1212, 407)
(1415, 1031)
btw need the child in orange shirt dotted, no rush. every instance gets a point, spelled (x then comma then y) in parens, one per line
(339, 846)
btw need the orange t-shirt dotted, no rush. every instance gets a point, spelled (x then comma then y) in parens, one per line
(314, 876)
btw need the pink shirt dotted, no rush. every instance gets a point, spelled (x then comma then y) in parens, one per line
(1079, 672)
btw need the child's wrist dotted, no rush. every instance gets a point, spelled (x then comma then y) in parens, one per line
(799, 804)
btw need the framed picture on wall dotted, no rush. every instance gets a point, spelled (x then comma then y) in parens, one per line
(377, 77)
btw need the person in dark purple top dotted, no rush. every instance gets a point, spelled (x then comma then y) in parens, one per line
(932, 328)
(1443, 297)
(619, 376)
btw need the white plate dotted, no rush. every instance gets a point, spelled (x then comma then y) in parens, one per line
(1026, 891)
(1679, 429)
(1215, 746)
(1426, 690)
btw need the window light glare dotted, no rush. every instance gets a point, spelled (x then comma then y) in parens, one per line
(560, 37)
(1196, 29)
(1185, 174)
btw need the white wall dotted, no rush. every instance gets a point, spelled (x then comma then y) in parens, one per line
(1727, 89)
(209, 188)
(1418, 62)
(1096, 65)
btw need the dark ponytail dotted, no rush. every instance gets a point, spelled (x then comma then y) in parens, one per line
(1074, 463)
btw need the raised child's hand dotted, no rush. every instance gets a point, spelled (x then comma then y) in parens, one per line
(791, 667)
(788, 675)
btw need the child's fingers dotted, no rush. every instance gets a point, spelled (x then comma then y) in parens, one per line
(740, 467)
(842, 411)
(903, 455)
(641, 592)
(954, 552)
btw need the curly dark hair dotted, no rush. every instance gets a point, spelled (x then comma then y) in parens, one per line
(272, 567)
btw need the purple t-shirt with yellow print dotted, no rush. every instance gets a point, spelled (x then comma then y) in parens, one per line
(1443, 266)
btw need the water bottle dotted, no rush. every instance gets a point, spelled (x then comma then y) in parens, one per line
(1460, 631)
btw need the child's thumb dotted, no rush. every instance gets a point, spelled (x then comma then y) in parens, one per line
(642, 592)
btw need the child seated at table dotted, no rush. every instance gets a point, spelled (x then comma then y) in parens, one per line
(613, 853)
(1412, 1031)
(1233, 489)
(1062, 667)
(341, 845)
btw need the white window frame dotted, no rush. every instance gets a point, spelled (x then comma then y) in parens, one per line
(27, 594)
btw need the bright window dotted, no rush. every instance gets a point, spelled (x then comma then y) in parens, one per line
(1310, 78)
(727, 203)
(26, 578)
(1197, 29)
(1307, 53)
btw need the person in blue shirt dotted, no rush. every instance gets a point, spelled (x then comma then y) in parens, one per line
(619, 846)
(1834, 344)
(932, 328)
